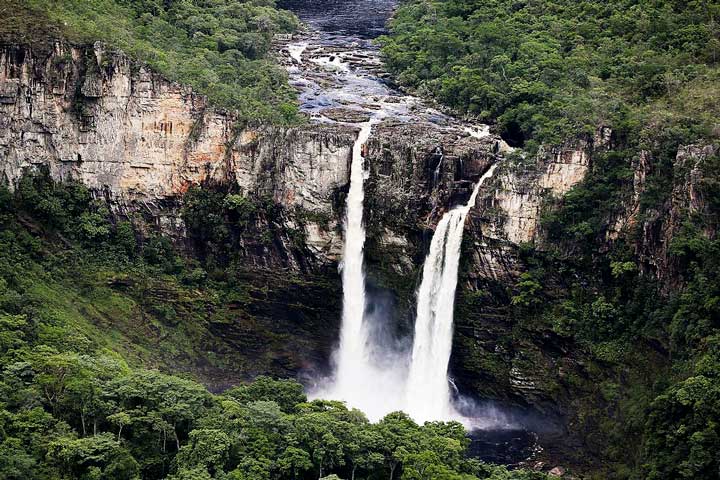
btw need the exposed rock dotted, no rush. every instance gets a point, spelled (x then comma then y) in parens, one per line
(142, 141)
(521, 187)
(658, 227)
(557, 472)
(348, 115)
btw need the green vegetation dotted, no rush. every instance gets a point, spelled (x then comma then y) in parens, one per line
(220, 48)
(548, 71)
(80, 274)
(76, 401)
(645, 328)
(654, 340)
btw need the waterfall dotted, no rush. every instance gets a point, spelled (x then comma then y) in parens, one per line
(366, 376)
(296, 51)
(352, 357)
(427, 394)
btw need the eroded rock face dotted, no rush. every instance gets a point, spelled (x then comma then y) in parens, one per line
(142, 141)
(659, 227)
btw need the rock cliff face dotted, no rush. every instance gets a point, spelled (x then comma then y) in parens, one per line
(659, 226)
(141, 141)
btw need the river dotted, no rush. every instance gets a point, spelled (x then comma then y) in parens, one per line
(337, 69)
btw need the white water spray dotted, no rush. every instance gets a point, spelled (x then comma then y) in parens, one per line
(296, 51)
(361, 377)
(427, 394)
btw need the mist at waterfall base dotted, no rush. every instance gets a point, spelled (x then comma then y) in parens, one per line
(368, 374)
(375, 372)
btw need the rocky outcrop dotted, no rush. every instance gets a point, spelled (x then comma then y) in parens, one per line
(658, 226)
(142, 141)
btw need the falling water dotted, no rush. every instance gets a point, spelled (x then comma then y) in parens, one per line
(361, 368)
(296, 51)
(352, 355)
(428, 392)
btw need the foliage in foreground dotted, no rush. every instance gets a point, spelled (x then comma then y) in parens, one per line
(75, 405)
(220, 48)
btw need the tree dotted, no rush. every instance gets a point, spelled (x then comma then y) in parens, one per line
(208, 448)
(362, 448)
(121, 419)
(85, 387)
(316, 433)
(286, 393)
(398, 432)
(294, 461)
(252, 469)
(99, 456)
(54, 373)
(16, 463)
(682, 434)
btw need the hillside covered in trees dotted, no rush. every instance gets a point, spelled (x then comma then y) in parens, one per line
(77, 323)
(549, 72)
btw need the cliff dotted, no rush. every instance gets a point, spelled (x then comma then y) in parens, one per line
(141, 143)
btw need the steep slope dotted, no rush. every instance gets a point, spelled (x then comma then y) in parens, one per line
(596, 297)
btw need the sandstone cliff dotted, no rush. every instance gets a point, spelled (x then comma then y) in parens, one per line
(140, 142)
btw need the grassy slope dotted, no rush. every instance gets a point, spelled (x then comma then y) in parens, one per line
(156, 307)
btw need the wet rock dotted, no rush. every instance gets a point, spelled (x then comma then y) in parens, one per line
(346, 115)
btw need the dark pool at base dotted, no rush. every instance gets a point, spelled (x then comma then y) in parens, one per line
(356, 18)
(505, 447)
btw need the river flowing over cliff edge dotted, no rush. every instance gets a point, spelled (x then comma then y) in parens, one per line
(338, 73)
(141, 142)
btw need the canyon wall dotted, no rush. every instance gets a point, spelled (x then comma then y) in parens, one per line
(140, 142)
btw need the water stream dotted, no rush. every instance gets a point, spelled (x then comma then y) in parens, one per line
(361, 371)
(338, 73)
(428, 391)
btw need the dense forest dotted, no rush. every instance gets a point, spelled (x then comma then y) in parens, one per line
(546, 71)
(553, 71)
(78, 404)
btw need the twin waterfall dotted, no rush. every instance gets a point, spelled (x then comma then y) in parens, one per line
(427, 391)
(366, 375)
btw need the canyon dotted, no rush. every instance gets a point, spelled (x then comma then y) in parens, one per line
(140, 142)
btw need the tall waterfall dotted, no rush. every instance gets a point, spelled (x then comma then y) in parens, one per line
(352, 356)
(366, 375)
(427, 394)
